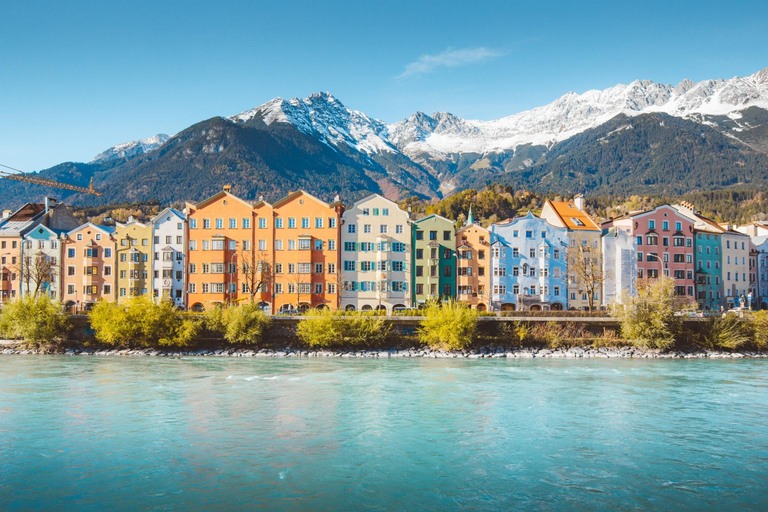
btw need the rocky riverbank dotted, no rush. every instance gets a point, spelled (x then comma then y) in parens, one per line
(423, 352)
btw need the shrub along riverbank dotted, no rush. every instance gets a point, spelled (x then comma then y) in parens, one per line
(140, 324)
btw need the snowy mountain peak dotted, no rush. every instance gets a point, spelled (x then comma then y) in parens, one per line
(323, 116)
(133, 148)
(443, 134)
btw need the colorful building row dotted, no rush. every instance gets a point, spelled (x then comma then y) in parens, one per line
(302, 252)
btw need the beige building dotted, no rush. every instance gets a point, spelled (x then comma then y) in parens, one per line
(584, 250)
(375, 256)
(473, 266)
(735, 248)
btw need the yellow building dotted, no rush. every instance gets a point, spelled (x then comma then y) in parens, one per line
(584, 250)
(134, 259)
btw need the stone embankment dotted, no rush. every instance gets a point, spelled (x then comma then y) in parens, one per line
(480, 353)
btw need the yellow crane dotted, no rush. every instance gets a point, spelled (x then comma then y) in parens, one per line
(21, 176)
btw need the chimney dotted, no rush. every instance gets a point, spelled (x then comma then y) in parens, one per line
(227, 188)
(6, 214)
(578, 201)
(261, 197)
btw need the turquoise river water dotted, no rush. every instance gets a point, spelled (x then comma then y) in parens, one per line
(120, 433)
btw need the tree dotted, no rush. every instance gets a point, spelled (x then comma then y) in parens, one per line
(648, 318)
(37, 270)
(257, 271)
(585, 271)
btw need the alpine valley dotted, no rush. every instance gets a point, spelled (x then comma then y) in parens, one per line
(641, 138)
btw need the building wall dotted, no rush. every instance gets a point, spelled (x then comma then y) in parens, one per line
(10, 261)
(134, 260)
(434, 259)
(83, 287)
(306, 275)
(677, 261)
(375, 256)
(577, 296)
(709, 272)
(761, 246)
(169, 257)
(218, 230)
(619, 252)
(521, 245)
(41, 242)
(473, 279)
(735, 251)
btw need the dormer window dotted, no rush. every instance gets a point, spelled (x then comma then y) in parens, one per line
(577, 222)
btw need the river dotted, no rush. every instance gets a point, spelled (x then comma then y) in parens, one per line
(95, 433)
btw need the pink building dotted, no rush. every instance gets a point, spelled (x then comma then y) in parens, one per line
(664, 245)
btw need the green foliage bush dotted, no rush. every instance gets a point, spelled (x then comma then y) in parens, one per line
(759, 328)
(34, 320)
(448, 325)
(243, 324)
(726, 333)
(648, 319)
(325, 328)
(140, 322)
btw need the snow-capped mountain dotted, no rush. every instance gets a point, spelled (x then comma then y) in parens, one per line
(442, 133)
(322, 116)
(129, 149)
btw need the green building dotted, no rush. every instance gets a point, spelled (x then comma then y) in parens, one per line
(434, 259)
(708, 256)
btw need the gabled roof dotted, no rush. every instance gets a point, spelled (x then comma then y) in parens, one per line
(570, 216)
(296, 194)
(216, 197)
(435, 216)
(167, 211)
(109, 230)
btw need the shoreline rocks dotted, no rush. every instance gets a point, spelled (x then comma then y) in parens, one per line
(419, 352)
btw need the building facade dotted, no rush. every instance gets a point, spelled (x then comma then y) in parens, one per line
(529, 262)
(219, 229)
(306, 256)
(619, 259)
(664, 246)
(584, 251)
(40, 263)
(735, 252)
(134, 259)
(169, 257)
(375, 256)
(473, 271)
(89, 266)
(434, 260)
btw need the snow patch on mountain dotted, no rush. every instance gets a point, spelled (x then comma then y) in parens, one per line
(133, 148)
(323, 116)
(443, 134)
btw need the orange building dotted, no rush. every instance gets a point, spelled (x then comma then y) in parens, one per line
(473, 279)
(307, 231)
(220, 237)
(88, 266)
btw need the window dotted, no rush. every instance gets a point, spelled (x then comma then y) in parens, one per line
(351, 229)
(305, 222)
(291, 245)
(678, 226)
(366, 228)
(433, 235)
(278, 223)
(318, 268)
(383, 229)
(349, 266)
(291, 268)
(500, 289)
(419, 254)
(305, 268)
(665, 225)
(399, 229)
(331, 268)
(651, 224)
(331, 222)
(318, 222)
(446, 235)
(447, 272)
(305, 244)
(291, 222)
(193, 223)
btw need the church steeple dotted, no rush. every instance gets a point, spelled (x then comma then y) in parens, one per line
(470, 217)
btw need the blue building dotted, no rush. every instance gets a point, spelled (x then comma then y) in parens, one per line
(529, 261)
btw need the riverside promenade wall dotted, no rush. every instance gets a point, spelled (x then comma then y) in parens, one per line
(283, 328)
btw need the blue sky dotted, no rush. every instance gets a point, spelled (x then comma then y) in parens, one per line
(77, 77)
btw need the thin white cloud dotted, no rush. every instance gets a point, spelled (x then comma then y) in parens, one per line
(450, 58)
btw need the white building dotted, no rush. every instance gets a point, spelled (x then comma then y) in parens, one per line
(619, 266)
(375, 256)
(168, 262)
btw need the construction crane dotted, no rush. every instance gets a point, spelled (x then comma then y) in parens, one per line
(21, 176)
